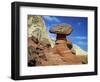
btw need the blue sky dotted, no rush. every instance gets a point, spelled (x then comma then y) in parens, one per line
(79, 24)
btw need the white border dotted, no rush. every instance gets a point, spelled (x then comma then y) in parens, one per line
(24, 70)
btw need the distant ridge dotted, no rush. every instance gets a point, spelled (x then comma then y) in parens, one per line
(78, 50)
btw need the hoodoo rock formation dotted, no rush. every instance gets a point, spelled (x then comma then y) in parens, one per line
(62, 47)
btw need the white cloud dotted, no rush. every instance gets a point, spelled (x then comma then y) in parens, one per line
(51, 18)
(79, 23)
(82, 43)
(79, 37)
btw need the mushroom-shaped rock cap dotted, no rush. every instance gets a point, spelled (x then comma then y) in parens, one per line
(61, 29)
